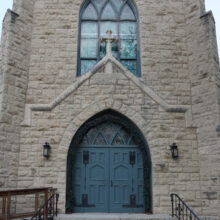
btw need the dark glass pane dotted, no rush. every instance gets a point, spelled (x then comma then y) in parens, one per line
(99, 4)
(118, 140)
(90, 13)
(100, 140)
(108, 26)
(125, 135)
(127, 13)
(91, 134)
(85, 141)
(128, 30)
(108, 132)
(117, 4)
(86, 65)
(89, 48)
(130, 65)
(132, 141)
(108, 13)
(89, 30)
(128, 49)
(103, 49)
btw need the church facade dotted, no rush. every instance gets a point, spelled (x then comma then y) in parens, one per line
(111, 86)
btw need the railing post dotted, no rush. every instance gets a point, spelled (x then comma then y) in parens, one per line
(53, 203)
(172, 204)
(179, 208)
(45, 204)
(36, 201)
(183, 210)
(190, 217)
(4, 207)
(8, 206)
(57, 198)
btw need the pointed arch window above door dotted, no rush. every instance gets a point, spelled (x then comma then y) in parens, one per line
(98, 16)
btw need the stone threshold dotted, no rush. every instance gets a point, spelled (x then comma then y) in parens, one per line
(112, 216)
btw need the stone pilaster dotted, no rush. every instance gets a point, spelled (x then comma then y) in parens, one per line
(15, 52)
(204, 70)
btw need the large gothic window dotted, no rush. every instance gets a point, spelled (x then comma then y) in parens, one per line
(98, 16)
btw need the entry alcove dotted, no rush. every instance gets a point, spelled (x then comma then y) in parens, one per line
(109, 167)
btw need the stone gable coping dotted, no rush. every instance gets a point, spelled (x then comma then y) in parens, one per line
(108, 59)
(207, 14)
(14, 16)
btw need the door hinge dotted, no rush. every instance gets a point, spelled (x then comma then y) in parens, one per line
(85, 202)
(132, 156)
(133, 203)
(85, 157)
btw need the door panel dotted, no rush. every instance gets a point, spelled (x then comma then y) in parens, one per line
(92, 181)
(125, 181)
(120, 175)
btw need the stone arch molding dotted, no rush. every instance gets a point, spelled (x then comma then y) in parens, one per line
(87, 113)
(108, 61)
(92, 110)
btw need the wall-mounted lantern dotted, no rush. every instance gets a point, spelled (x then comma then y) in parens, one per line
(174, 151)
(46, 150)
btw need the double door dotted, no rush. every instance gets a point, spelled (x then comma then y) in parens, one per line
(108, 179)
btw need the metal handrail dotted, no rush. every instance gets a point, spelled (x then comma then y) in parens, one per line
(47, 210)
(181, 210)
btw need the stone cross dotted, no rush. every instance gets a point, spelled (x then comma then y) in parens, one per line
(109, 41)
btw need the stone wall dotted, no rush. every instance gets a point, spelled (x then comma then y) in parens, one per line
(179, 65)
(204, 70)
(15, 47)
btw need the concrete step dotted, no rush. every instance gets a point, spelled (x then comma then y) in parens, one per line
(112, 216)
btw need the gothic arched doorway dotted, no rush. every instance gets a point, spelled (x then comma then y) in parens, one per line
(109, 167)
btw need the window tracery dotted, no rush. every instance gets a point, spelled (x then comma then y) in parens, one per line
(108, 134)
(98, 16)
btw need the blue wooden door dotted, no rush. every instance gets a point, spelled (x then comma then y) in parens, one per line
(126, 176)
(108, 174)
(91, 179)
